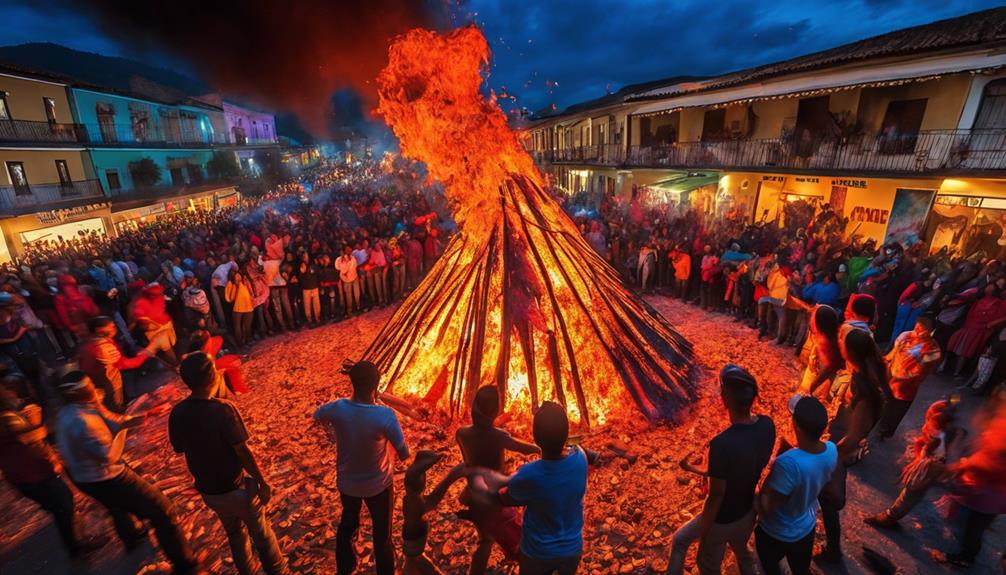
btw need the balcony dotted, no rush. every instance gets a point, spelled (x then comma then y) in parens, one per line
(131, 136)
(47, 196)
(238, 141)
(931, 151)
(30, 132)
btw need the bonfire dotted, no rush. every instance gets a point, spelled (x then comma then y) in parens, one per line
(519, 299)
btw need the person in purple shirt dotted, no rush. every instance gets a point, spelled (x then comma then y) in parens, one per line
(364, 431)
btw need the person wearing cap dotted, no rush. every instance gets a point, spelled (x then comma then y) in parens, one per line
(90, 440)
(736, 459)
(364, 431)
(211, 434)
(101, 358)
(787, 502)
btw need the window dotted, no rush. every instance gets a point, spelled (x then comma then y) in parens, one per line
(991, 114)
(254, 129)
(50, 109)
(18, 178)
(113, 180)
(64, 174)
(900, 128)
(4, 110)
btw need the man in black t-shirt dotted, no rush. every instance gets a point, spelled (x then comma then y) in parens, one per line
(737, 457)
(211, 434)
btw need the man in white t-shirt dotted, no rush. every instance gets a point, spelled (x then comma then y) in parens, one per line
(364, 466)
(787, 504)
(350, 280)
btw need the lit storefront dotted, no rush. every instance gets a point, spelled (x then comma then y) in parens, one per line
(877, 208)
(968, 218)
(52, 226)
(130, 218)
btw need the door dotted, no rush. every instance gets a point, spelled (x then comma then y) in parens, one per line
(65, 183)
(18, 178)
(50, 109)
(813, 124)
(106, 122)
(900, 129)
(714, 125)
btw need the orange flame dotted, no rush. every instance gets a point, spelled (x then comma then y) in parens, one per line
(429, 95)
(518, 299)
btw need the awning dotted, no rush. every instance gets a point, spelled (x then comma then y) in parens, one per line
(822, 82)
(687, 182)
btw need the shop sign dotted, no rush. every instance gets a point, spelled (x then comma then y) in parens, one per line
(152, 210)
(60, 216)
(869, 215)
(861, 184)
(969, 201)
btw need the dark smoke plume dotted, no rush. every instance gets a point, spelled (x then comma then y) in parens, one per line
(288, 55)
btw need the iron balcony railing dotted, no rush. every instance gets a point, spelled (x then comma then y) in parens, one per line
(32, 132)
(252, 141)
(43, 195)
(927, 151)
(135, 135)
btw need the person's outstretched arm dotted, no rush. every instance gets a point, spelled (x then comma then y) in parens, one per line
(522, 447)
(435, 496)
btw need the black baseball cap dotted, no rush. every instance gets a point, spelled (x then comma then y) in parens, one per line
(809, 414)
(739, 383)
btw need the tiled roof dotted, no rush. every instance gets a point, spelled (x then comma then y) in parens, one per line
(987, 27)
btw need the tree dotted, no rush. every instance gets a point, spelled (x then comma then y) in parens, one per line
(145, 172)
(223, 165)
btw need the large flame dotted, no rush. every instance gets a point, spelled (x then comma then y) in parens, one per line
(518, 299)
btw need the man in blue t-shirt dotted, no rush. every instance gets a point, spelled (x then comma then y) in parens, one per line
(366, 434)
(551, 491)
(787, 504)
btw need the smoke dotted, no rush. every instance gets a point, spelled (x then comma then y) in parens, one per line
(285, 55)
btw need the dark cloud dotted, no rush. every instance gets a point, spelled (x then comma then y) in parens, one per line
(552, 52)
(590, 46)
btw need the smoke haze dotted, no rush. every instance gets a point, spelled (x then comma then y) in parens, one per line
(289, 56)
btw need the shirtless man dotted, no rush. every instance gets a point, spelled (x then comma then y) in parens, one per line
(483, 446)
(415, 505)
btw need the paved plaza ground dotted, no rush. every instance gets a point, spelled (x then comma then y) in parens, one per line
(633, 505)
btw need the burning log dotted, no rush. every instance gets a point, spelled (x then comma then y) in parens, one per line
(519, 298)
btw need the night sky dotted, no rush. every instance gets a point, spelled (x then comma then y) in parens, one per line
(559, 52)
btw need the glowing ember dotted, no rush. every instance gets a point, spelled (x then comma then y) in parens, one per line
(518, 299)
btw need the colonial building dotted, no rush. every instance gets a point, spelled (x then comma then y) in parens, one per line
(903, 133)
(43, 161)
(78, 158)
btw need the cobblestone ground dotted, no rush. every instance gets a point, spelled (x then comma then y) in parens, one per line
(632, 507)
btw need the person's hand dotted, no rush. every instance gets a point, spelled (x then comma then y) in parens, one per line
(264, 492)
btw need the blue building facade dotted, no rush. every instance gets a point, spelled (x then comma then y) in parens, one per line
(123, 131)
(118, 168)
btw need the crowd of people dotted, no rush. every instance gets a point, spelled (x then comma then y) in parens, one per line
(870, 323)
(192, 291)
